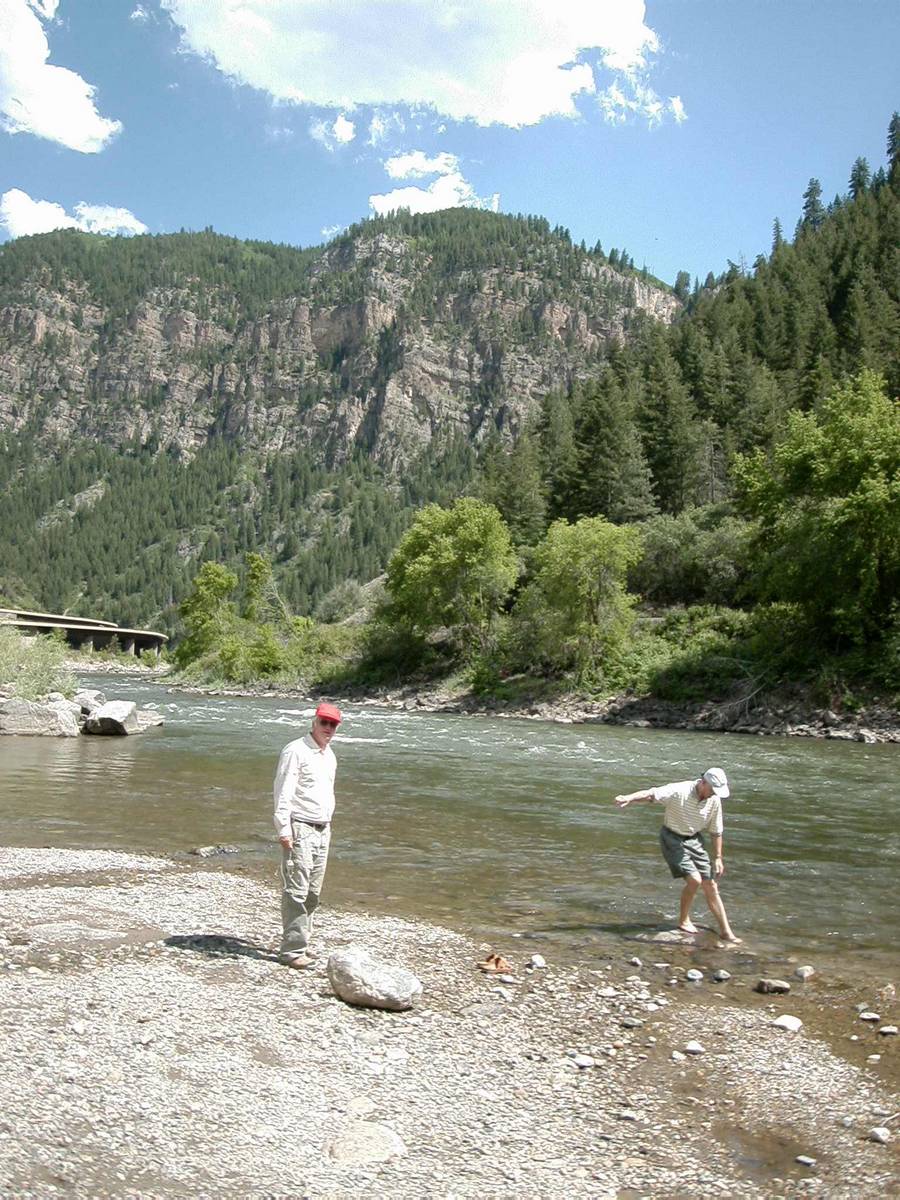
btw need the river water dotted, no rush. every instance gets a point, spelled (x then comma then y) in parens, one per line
(496, 827)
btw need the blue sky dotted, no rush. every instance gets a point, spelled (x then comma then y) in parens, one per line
(678, 129)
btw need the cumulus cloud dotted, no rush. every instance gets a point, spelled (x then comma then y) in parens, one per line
(416, 164)
(508, 63)
(36, 97)
(20, 215)
(332, 134)
(449, 190)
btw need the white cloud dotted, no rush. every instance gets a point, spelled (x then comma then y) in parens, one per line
(334, 133)
(383, 125)
(140, 14)
(416, 164)
(20, 215)
(331, 231)
(493, 63)
(36, 97)
(632, 96)
(449, 190)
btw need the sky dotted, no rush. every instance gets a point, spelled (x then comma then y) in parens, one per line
(675, 129)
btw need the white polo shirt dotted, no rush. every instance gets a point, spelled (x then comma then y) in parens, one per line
(685, 813)
(304, 784)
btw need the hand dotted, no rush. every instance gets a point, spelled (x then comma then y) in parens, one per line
(287, 842)
(719, 868)
(622, 801)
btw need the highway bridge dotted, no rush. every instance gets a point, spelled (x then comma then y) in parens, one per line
(85, 631)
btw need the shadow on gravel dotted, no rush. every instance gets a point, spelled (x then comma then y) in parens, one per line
(216, 946)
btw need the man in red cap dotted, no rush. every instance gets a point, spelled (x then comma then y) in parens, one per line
(304, 804)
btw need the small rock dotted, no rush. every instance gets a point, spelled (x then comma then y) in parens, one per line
(874, 1058)
(361, 1106)
(631, 1022)
(880, 1134)
(628, 1114)
(584, 1061)
(869, 1016)
(693, 975)
(678, 1056)
(721, 975)
(888, 1031)
(772, 986)
(366, 1142)
(505, 978)
(791, 1024)
(212, 851)
(537, 961)
(805, 972)
(502, 992)
(694, 1048)
(805, 1160)
(635, 962)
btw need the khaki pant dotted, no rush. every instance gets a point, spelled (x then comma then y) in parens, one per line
(302, 876)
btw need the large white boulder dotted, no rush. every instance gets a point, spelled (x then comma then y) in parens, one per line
(28, 718)
(114, 717)
(357, 977)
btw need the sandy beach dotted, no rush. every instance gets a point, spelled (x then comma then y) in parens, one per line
(153, 1046)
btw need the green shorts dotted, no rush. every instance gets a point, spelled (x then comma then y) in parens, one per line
(686, 855)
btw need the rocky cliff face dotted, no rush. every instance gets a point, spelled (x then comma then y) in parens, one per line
(381, 352)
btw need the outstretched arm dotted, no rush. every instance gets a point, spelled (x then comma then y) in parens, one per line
(634, 798)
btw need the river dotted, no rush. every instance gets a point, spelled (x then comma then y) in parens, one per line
(496, 827)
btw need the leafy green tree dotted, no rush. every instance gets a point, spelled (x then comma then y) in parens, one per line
(454, 568)
(206, 613)
(575, 613)
(860, 178)
(827, 501)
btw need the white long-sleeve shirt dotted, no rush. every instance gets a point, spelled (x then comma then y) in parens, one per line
(304, 784)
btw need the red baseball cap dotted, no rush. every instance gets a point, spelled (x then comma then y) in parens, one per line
(329, 712)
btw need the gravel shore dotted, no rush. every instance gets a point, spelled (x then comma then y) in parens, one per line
(151, 1045)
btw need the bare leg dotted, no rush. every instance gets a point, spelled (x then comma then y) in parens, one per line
(691, 884)
(717, 908)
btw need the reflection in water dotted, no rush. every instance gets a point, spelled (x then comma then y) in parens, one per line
(488, 824)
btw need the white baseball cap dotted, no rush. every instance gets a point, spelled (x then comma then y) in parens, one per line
(717, 780)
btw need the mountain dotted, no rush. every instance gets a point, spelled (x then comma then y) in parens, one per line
(169, 399)
(402, 329)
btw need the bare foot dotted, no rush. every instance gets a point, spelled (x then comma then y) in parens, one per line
(688, 927)
(731, 941)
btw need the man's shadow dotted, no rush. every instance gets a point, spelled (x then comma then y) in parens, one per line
(216, 945)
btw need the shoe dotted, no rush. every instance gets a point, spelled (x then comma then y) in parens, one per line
(299, 961)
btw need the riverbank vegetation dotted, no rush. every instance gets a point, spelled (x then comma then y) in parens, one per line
(31, 668)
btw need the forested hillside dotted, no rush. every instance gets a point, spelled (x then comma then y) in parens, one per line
(164, 400)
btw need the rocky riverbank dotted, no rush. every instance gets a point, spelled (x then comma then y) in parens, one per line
(789, 717)
(152, 1045)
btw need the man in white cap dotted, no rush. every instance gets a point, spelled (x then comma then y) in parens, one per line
(692, 807)
(304, 805)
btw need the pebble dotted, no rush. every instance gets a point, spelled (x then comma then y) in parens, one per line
(635, 962)
(874, 1058)
(721, 975)
(880, 1134)
(678, 1056)
(888, 1031)
(537, 961)
(805, 972)
(693, 975)
(502, 992)
(791, 1024)
(694, 1048)
(869, 1016)
(584, 1061)
(631, 1022)
(805, 1160)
